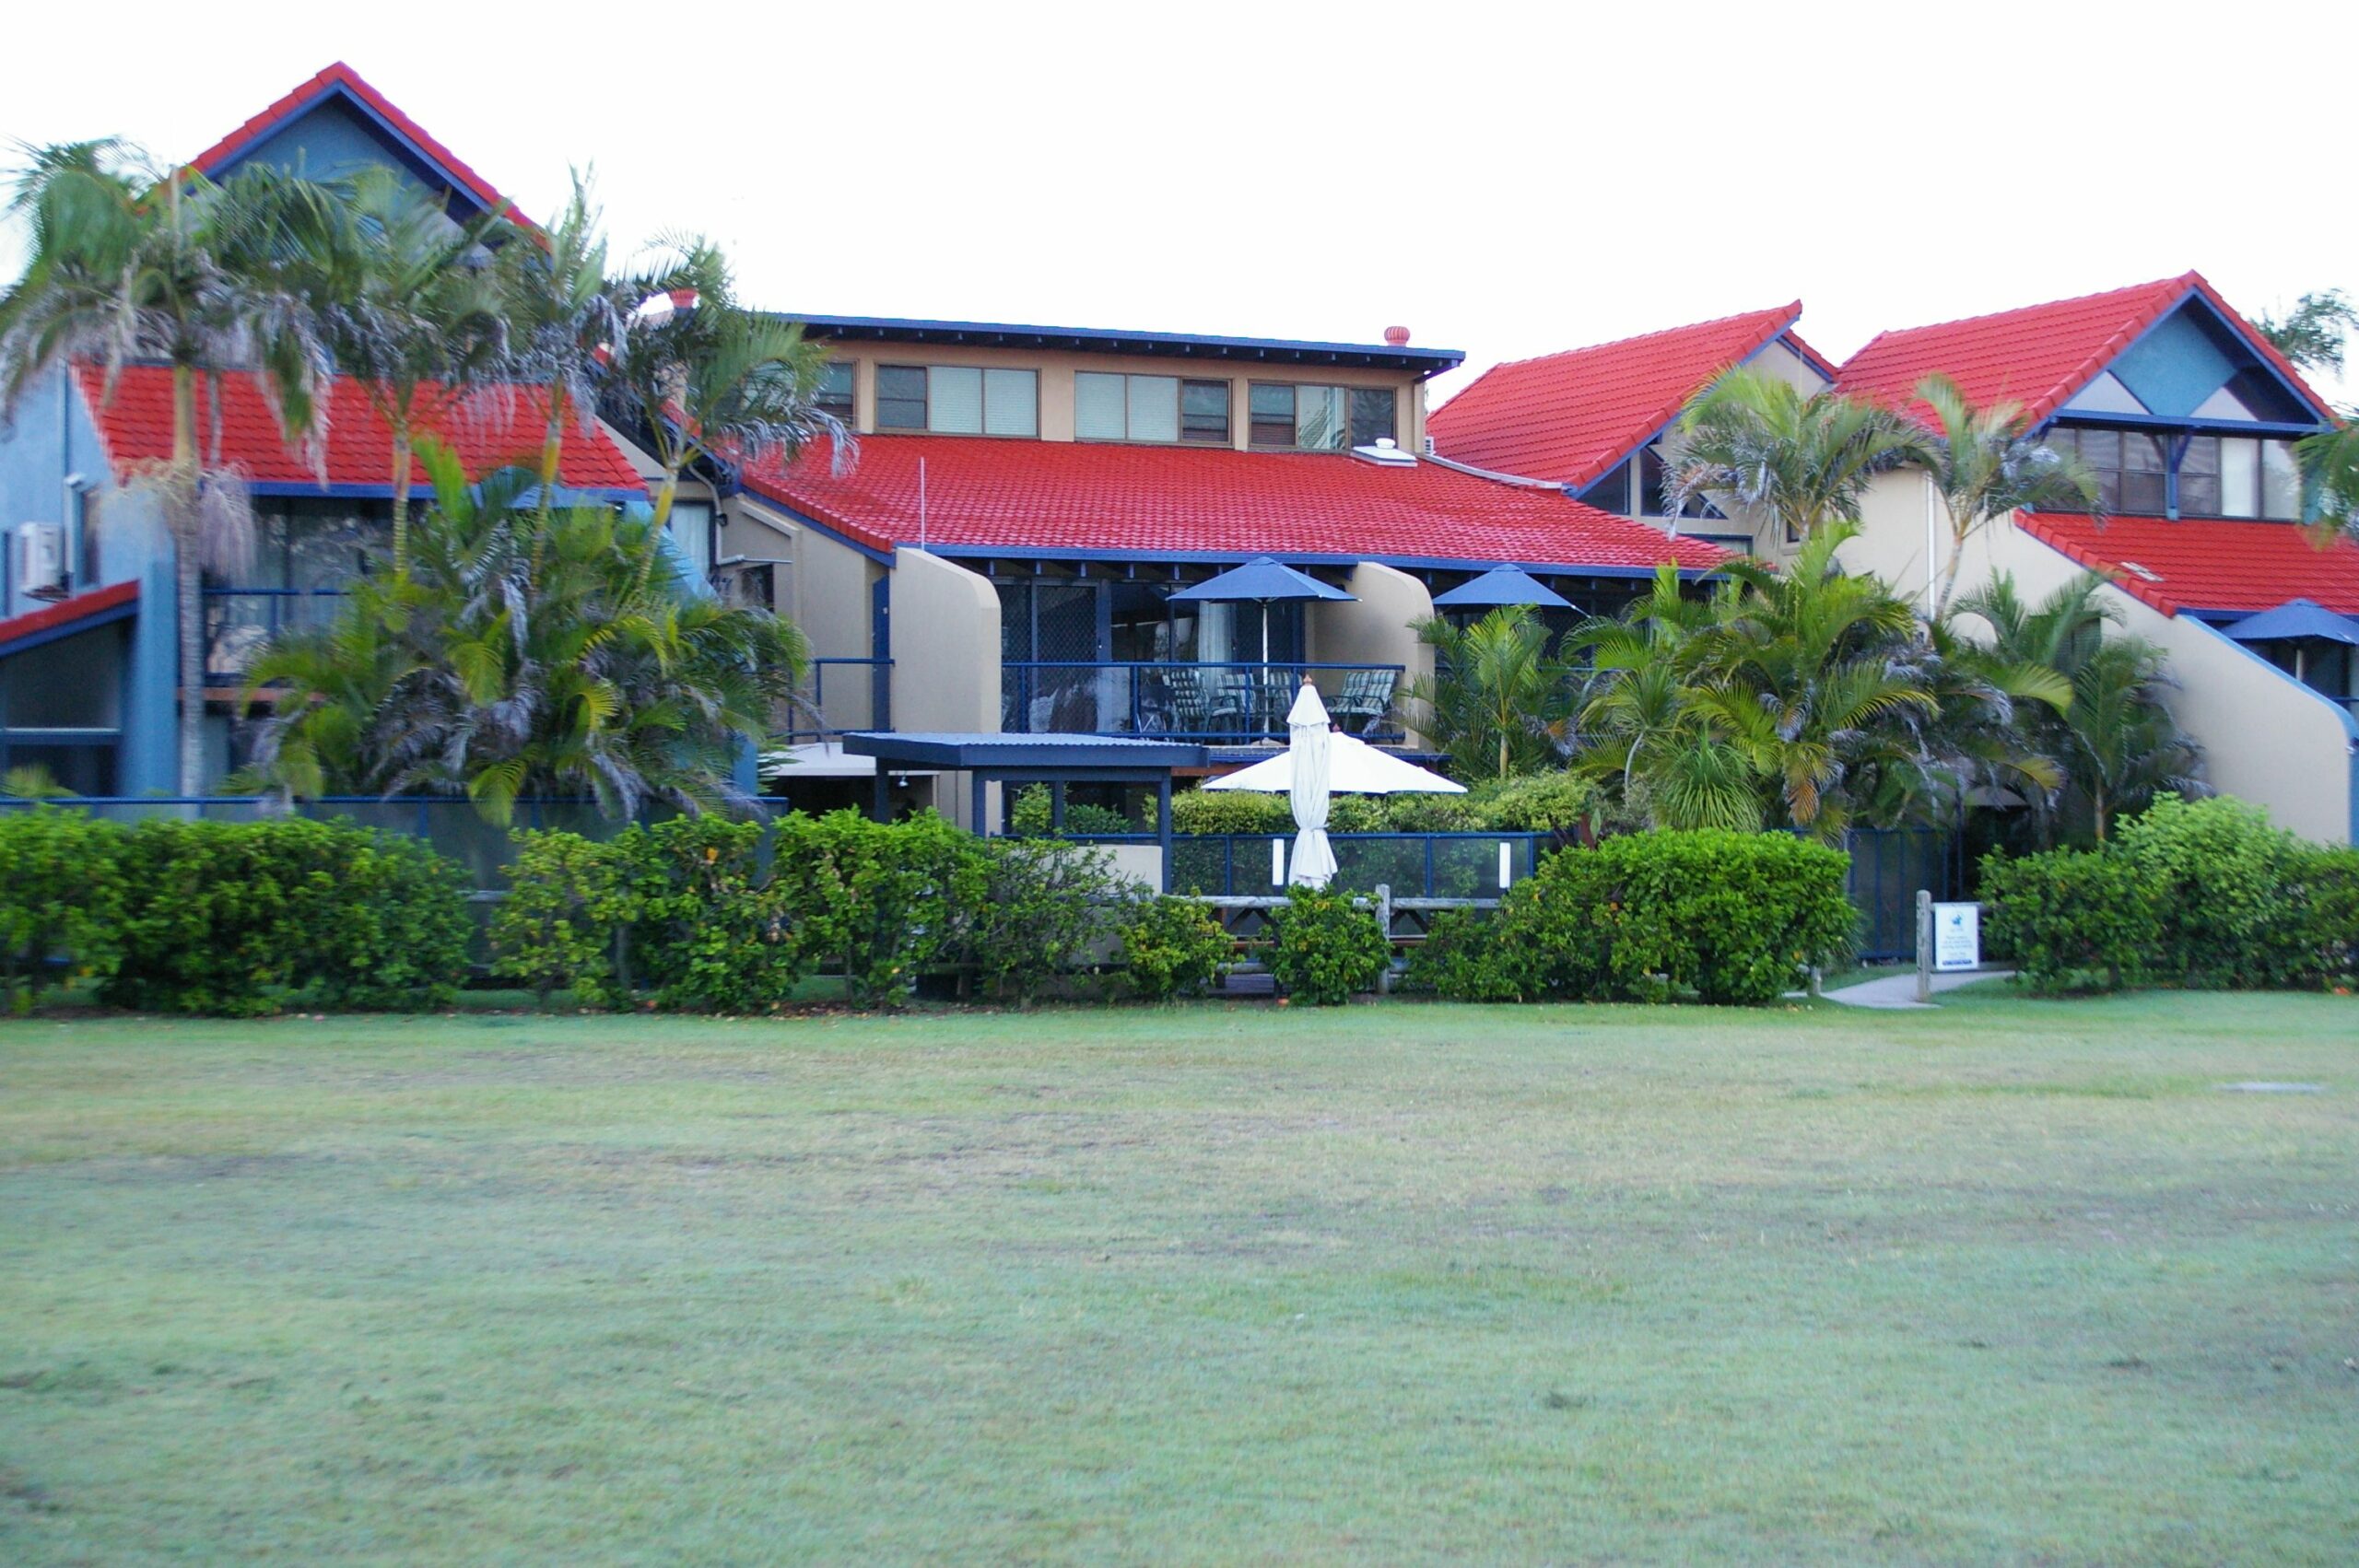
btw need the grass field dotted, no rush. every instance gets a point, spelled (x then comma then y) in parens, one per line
(2008, 1282)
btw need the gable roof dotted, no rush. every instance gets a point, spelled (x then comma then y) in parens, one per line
(2039, 355)
(341, 81)
(501, 428)
(116, 601)
(1570, 417)
(2208, 565)
(1211, 503)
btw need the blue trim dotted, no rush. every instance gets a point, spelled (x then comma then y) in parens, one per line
(827, 529)
(2236, 330)
(73, 628)
(566, 495)
(1000, 755)
(2080, 418)
(1428, 362)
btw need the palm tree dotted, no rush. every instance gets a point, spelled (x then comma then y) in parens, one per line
(412, 310)
(1985, 467)
(711, 376)
(127, 265)
(1499, 701)
(528, 649)
(1804, 459)
(2330, 462)
(566, 317)
(2311, 335)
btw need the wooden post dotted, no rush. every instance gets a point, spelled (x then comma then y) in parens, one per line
(1384, 918)
(1924, 945)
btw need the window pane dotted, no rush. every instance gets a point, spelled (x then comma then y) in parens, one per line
(2142, 454)
(1272, 416)
(1611, 493)
(1204, 411)
(2101, 449)
(2199, 477)
(2280, 481)
(1154, 408)
(1097, 413)
(2239, 478)
(900, 397)
(1319, 421)
(835, 388)
(1371, 416)
(1651, 472)
(1011, 403)
(954, 400)
(691, 530)
(2061, 440)
(2141, 493)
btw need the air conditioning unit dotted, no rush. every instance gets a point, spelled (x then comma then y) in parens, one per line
(40, 559)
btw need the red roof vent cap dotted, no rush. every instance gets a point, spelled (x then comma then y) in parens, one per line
(1397, 336)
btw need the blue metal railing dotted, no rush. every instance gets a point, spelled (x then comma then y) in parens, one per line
(815, 722)
(1414, 865)
(1220, 701)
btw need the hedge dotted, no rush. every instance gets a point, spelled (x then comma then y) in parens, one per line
(1736, 918)
(1542, 802)
(2188, 893)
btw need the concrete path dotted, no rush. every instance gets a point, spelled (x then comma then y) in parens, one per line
(1898, 992)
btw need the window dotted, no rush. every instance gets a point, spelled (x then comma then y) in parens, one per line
(2218, 475)
(1654, 487)
(1111, 407)
(836, 389)
(1611, 493)
(1321, 418)
(958, 400)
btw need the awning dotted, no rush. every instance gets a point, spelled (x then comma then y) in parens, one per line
(2296, 618)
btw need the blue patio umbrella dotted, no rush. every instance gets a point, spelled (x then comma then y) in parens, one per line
(1501, 585)
(1261, 581)
(2296, 618)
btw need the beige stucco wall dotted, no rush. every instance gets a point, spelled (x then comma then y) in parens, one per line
(1378, 627)
(2265, 737)
(825, 591)
(945, 660)
(1057, 368)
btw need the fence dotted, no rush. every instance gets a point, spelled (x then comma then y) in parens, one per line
(1414, 865)
(1888, 865)
(1232, 702)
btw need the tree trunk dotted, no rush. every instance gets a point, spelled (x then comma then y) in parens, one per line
(401, 500)
(185, 522)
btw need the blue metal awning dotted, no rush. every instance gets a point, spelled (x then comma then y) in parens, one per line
(1502, 585)
(2294, 619)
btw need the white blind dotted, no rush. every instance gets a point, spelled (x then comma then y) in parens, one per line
(1011, 403)
(1154, 408)
(954, 400)
(1097, 413)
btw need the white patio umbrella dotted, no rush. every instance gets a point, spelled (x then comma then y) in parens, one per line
(1354, 767)
(1308, 744)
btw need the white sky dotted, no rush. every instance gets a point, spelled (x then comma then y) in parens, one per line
(1507, 181)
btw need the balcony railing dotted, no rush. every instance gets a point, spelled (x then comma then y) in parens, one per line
(240, 622)
(859, 696)
(1216, 702)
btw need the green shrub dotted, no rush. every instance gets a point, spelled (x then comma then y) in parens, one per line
(1532, 802)
(1043, 905)
(1322, 949)
(60, 896)
(880, 900)
(1033, 816)
(1172, 946)
(240, 918)
(709, 932)
(1462, 959)
(2218, 875)
(567, 900)
(2322, 888)
(2071, 919)
(1230, 810)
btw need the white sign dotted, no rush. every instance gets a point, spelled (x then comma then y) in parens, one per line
(1957, 936)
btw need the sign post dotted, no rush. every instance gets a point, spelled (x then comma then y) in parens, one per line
(1924, 946)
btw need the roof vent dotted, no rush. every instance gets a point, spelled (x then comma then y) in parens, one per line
(1385, 453)
(1397, 336)
(2149, 574)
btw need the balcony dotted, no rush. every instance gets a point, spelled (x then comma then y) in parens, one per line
(240, 622)
(1216, 703)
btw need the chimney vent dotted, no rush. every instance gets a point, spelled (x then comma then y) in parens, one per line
(1397, 336)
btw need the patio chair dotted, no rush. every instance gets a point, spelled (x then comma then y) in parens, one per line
(1368, 698)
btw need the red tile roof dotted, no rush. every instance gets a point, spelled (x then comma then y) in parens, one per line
(2040, 356)
(492, 431)
(1088, 497)
(2206, 564)
(1570, 417)
(340, 75)
(65, 612)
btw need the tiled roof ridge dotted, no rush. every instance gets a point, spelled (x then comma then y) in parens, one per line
(2184, 281)
(1791, 311)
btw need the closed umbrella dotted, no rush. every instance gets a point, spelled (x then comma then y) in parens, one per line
(1306, 745)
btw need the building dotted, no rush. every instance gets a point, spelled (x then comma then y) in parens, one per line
(2187, 418)
(1595, 420)
(2186, 414)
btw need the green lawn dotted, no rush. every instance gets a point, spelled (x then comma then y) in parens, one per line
(2010, 1282)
